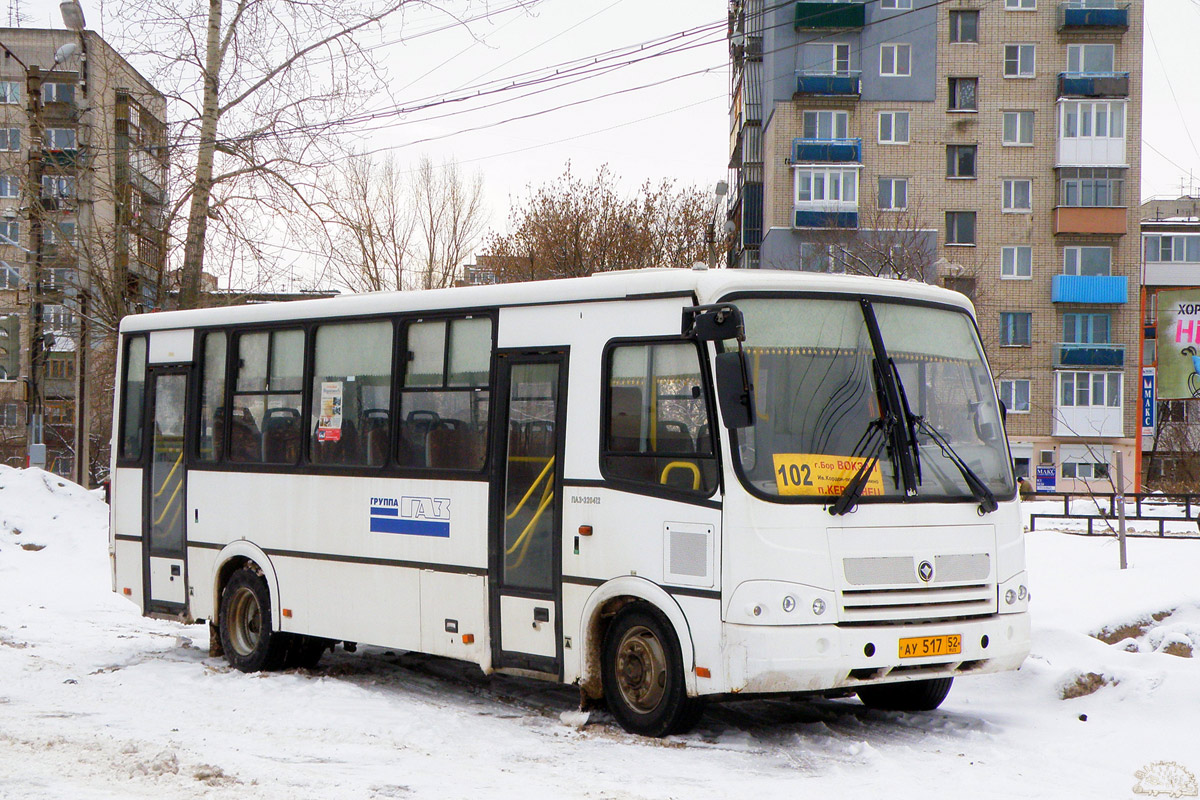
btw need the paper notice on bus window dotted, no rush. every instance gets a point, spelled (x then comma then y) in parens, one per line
(811, 474)
(329, 420)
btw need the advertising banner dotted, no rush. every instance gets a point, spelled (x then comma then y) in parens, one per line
(1178, 345)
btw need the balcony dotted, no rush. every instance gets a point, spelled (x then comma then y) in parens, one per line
(827, 220)
(1073, 354)
(1111, 289)
(805, 151)
(1085, 220)
(840, 84)
(1093, 84)
(830, 15)
(1077, 16)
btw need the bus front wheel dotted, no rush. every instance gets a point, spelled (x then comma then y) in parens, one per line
(911, 696)
(247, 633)
(643, 674)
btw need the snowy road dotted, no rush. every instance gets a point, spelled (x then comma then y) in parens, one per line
(97, 702)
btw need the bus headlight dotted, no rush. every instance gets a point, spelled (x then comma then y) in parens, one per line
(789, 604)
(1013, 594)
(818, 607)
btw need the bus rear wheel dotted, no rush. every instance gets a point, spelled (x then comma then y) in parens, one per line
(247, 633)
(643, 674)
(911, 696)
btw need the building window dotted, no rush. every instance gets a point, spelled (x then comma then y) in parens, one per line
(1018, 195)
(1015, 328)
(1090, 187)
(58, 92)
(1178, 247)
(1015, 396)
(10, 415)
(10, 139)
(893, 194)
(1018, 60)
(62, 232)
(10, 276)
(58, 187)
(893, 127)
(830, 59)
(1087, 260)
(57, 318)
(1085, 470)
(960, 160)
(1016, 261)
(1089, 389)
(1018, 128)
(10, 232)
(60, 412)
(10, 92)
(895, 5)
(59, 368)
(964, 26)
(827, 189)
(1020, 5)
(826, 124)
(895, 60)
(964, 94)
(1086, 328)
(60, 139)
(1092, 120)
(960, 227)
(10, 187)
(1090, 58)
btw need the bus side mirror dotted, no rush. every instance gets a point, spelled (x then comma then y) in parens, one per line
(735, 395)
(714, 323)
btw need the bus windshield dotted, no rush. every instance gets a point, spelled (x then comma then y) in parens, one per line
(822, 411)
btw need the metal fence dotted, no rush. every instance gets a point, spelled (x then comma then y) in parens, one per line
(1157, 508)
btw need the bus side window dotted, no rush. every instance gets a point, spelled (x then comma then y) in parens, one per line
(265, 426)
(212, 397)
(351, 394)
(657, 431)
(446, 394)
(134, 398)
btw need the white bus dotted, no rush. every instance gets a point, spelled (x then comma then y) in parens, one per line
(662, 486)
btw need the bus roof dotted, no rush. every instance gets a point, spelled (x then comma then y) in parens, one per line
(707, 286)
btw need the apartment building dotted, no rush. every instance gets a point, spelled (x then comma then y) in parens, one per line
(83, 167)
(992, 146)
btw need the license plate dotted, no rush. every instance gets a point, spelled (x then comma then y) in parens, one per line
(922, 646)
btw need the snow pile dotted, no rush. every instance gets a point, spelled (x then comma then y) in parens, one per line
(97, 703)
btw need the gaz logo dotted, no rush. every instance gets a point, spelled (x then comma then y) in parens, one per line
(925, 571)
(411, 516)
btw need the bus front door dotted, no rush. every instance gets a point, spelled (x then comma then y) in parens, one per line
(164, 513)
(526, 540)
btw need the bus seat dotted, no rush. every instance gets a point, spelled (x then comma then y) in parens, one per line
(455, 448)
(673, 437)
(281, 435)
(377, 423)
(342, 451)
(245, 442)
(625, 410)
(414, 431)
(704, 440)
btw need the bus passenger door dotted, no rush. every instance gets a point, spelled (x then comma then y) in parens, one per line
(164, 548)
(526, 513)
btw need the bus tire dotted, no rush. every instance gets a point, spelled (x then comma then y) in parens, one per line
(247, 631)
(642, 673)
(923, 695)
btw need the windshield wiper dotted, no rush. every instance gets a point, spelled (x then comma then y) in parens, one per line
(979, 490)
(880, 429)
(910, 417)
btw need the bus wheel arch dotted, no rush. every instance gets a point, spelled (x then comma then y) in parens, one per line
(602, 608)
(238, 555)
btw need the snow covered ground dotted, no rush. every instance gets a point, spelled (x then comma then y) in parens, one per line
(97, 702)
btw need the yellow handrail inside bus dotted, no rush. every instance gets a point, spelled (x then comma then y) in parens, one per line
(170, 502)
(167, 479)
(682, 465)
(546, 469)
(525, 534)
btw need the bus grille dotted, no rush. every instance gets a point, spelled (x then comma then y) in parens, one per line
(918, 604)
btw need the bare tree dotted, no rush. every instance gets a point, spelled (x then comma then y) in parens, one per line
(571, 228)
(267, 90)
(381, 229)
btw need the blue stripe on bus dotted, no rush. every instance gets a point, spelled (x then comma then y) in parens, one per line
(384, 511)
(412, 527)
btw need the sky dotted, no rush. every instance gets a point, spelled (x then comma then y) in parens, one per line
(677, 128)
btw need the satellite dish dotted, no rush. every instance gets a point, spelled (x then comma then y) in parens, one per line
(68, 50)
